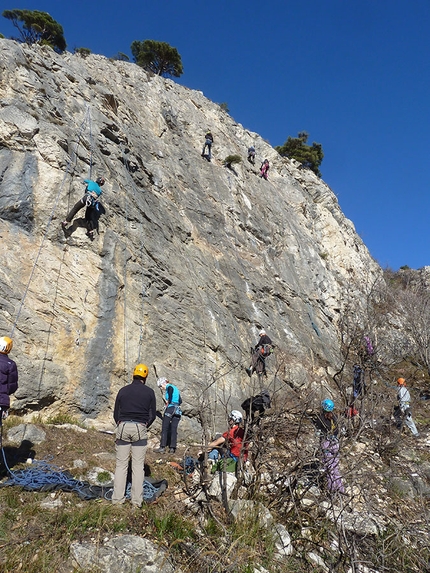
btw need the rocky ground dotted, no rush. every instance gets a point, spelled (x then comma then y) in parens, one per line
(381, 524)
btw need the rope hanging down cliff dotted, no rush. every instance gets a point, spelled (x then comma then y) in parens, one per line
(69, 163)
(143, 291)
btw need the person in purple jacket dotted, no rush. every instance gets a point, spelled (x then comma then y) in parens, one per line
(91, 201)
(8, 375)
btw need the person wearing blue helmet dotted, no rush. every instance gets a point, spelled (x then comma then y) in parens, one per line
(328, 431)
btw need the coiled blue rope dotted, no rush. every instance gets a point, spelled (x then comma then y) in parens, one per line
(43, 476)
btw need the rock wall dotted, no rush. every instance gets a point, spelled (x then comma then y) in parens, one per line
(191, 259)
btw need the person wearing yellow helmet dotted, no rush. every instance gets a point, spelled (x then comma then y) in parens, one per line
(403, 412)
(8, 375)
(134, 412)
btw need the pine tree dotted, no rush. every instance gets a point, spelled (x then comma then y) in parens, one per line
(37, 27)
(157, 57)
(309, 156)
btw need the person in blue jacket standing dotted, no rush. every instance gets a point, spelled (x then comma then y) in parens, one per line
(90, 200)
(172, 416)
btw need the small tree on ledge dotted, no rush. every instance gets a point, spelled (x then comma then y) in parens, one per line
(157, 57)
(37, 27)
(231, 160)
(309, 156)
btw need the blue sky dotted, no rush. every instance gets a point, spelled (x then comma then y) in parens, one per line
(353, 74)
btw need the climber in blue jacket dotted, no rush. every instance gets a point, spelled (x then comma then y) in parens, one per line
(90, 200)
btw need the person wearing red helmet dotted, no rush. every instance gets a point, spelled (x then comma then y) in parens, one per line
(8, 375)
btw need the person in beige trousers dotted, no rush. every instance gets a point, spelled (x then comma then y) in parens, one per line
(134, 412)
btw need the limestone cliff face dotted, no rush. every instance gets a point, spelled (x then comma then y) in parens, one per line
(192, 257)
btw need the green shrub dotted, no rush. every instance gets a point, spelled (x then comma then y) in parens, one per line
(83, 52)
(231, 160)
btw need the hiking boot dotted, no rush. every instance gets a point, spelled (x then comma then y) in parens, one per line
(172, 450)
(159, 450)
(64, 224)
(90, 235)
(248, 371)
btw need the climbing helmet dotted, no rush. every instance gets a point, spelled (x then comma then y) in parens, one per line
(401, 381)
(141, 370)
(327, 405)
(162, 382)
(236, 416)
(100, 180)
(5, 344)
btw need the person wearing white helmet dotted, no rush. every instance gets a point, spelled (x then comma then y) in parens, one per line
(8, 375)
(259, 353)
(232, 440)
(171, 417)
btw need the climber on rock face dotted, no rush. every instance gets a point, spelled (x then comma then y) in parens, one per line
(264, 169)
(259, 353)
(90, 200)
(208, 144)
(251, 154)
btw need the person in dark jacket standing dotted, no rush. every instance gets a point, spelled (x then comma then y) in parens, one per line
(134, 412)
(172, 416)
(328, 431)
(8, 375)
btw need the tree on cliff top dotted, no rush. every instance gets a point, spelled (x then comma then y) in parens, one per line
(37, 27)
(309, 155)
(157, 57)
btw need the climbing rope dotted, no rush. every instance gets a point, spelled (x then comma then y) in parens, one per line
(126, 365)
(54, 208)
(133, 186)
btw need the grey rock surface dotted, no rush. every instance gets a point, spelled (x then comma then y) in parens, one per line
(26, 432)
(125, 553)
(191, 258)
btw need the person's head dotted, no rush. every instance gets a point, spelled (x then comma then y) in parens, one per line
(5, 344)
(140, 372)
(262, 332)
(162, 382)
(327, 406)
(401, 382)
(100, 181)
(235, 417)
